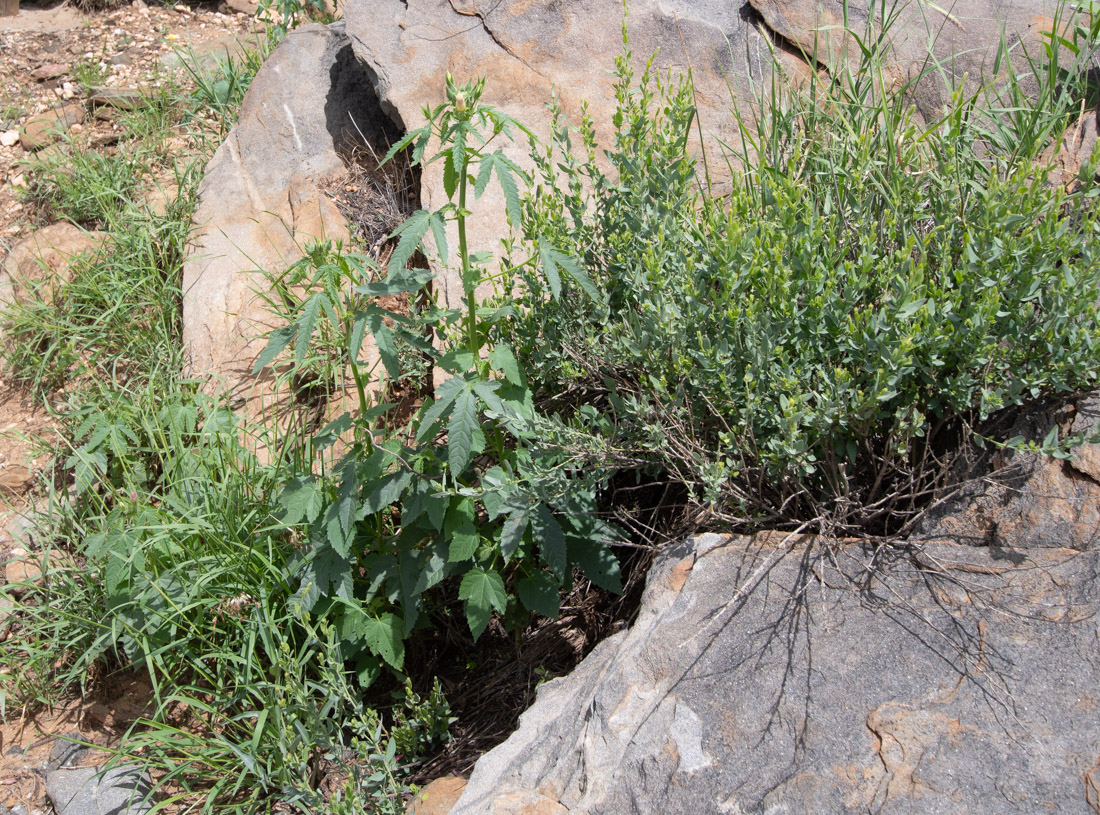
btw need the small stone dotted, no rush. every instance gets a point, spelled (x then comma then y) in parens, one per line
(21, 572)
(121, 59)
(65, 751)
(94, 790)
(242, 6)
(438, 797)
(120, 98)
(9, 138)
(47, 128)
(51, 70)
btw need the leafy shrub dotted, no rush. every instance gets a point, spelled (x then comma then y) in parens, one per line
(812, 346)
(469, 491)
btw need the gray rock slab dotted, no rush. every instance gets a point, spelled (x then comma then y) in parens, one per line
(782, 675)
(98, 791)
(1025, 500)
(964, 38)
(260, 201)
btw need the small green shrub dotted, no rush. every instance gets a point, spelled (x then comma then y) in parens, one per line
(467, 492)
(811, 347)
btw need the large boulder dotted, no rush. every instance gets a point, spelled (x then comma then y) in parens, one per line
(783, 673)
(946, 41)
(530, 50)
(261, 200)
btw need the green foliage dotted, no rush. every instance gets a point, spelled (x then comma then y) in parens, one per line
(467, 493)
(118, 318)
(810, 346)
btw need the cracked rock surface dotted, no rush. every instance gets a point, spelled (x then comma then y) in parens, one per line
(778, 674)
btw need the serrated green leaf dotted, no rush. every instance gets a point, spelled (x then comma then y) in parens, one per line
(439, 235)
(278, 340)
(512, 206)
(340, 515)
(511, 533)
(305, 327)
(502, 359)
(597, 561)
(465, 438)
(482, 591)
(301, 499)
(382, 633)
(458, 148)
(388, 491)
(460, 530)
(412, 233)
(358, 333)
(456, 361)
(539, 593)
(406, 280)
(331, 432)
(383, 341)
(450, 174)
(484, 172)
(551, 540)
(444, 396)
(550, 269)
(405, 141)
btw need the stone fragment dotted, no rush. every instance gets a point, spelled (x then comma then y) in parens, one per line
(22, 569)
(48, 128)
(118, 98)
(51, 70)
(42, 262)
(9, 138)
(437, 797)
(123, 790)
(242, 6)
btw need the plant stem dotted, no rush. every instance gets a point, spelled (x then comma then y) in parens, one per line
(464, 253)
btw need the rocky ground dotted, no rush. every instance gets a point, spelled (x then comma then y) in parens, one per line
(64, 69)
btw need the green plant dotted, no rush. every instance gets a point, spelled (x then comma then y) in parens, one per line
(92, 71)
(812, 348)
(468, 492)
(218, 91)
(86, 187)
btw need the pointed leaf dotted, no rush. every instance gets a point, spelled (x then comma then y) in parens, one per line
(550, 269)
(450, 174)
(540, 593)
(483, 591)
(305, 327)
(412, 233)
(465, 438)
(444, 396)
(388, 491)
(502, 359)
(301, 499)
(439, 235)
(511, 534)
(280, 338)
(551, 540)
(597, 561)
